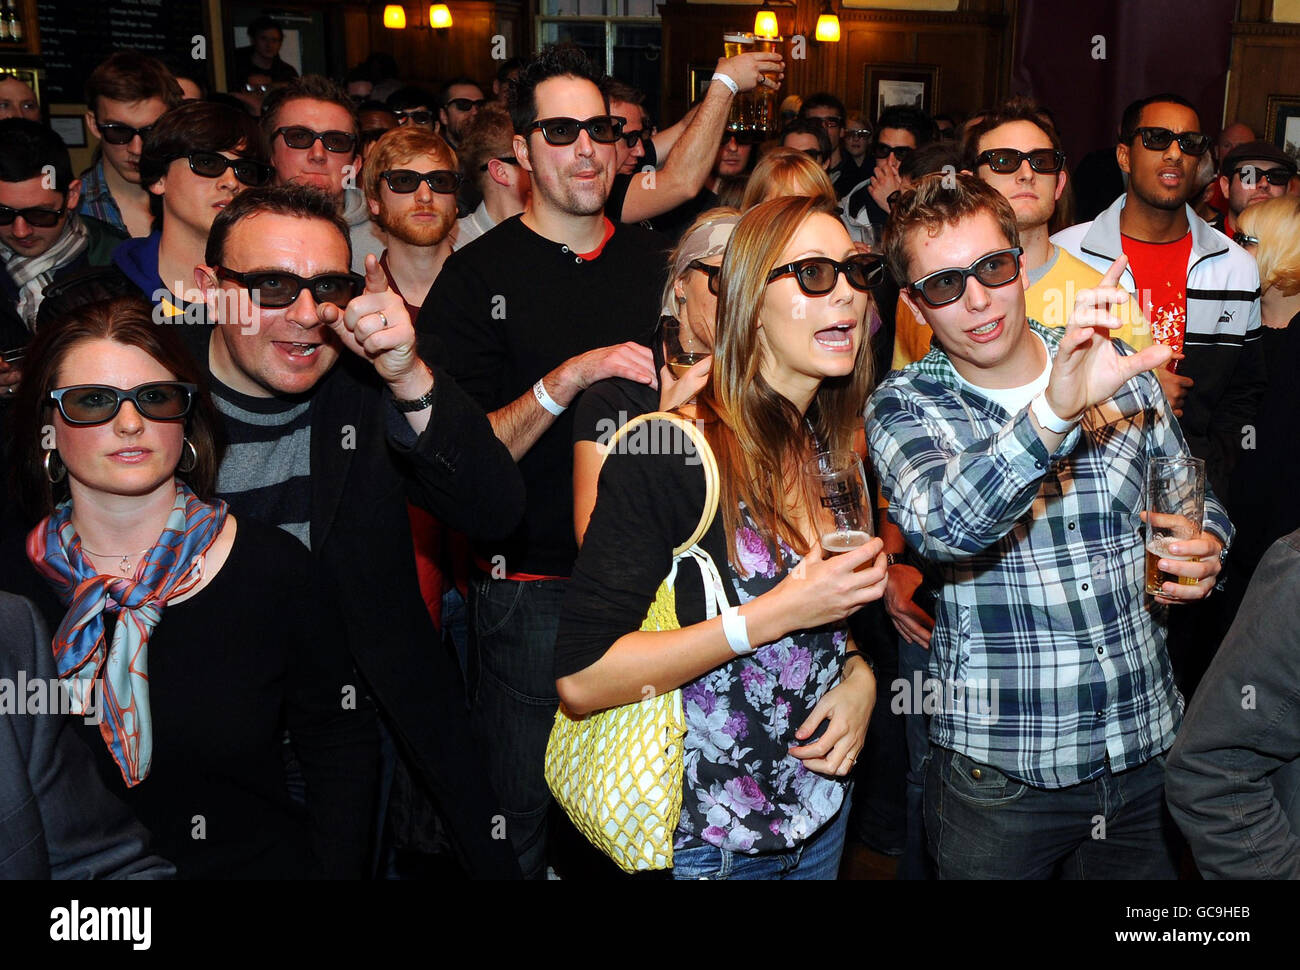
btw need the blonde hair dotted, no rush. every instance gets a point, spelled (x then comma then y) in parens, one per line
(758, 436)
(1276, 224)
(787, 172)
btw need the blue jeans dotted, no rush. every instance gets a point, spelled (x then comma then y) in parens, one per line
(513, 701)
(815, 858)
(984, 825)
(915, 861)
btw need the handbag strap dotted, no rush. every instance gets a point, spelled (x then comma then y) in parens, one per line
(707, 461)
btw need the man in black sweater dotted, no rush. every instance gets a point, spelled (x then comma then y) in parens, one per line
(335, 419)
(532, 313)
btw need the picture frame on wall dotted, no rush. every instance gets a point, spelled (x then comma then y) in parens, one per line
(1282, 127)
(909, 85)
(698, 78)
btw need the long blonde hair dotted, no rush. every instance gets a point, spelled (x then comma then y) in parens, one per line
(1276, 224)
(759, 437)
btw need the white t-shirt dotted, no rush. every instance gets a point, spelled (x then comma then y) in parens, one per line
(1014, 399)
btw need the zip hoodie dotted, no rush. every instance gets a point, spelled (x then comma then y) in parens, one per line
(1222, 345)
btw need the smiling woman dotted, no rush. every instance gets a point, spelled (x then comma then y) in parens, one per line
(132, 563)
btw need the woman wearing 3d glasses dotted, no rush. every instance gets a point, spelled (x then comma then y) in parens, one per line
(186, 642)
(775, 693)
(196, 158)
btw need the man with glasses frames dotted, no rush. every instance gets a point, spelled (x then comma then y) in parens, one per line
(460, 101)
(1012, 457)
(625, 102)
(311, 128)
(125, 95)
(488, 161)
(1254, 172)
(825, 109)
(335, 420)
(1199, 291)
(810, 138)
(899, 131)
(531, 314)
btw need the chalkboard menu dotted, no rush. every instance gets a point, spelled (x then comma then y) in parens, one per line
(78, 34)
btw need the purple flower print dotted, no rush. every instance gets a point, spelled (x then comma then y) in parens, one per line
(737, 726)
(794, 674)
(745, 796)
(714, 835)
(701, 697)
(753, 553)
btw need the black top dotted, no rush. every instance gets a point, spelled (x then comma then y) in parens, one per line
(511, 307)
(258, 650)
(674, 223)
(608, 405)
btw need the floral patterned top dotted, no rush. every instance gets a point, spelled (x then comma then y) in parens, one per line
(743, 791)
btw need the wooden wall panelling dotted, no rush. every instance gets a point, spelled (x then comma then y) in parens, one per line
(1265, 60)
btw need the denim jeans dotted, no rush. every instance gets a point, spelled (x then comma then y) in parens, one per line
(513, 701)
(815, 858)
(982, 824)
(915, 861)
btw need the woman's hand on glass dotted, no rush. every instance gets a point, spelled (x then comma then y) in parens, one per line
(820, 591)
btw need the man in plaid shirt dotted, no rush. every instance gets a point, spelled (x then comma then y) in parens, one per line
(1013, 459)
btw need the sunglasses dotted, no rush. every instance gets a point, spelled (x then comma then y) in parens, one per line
(604, 129)
(947, 285)
(817, 275)
(826, 122)
(1158, 139)
(741, 137)
(87, 404)
(634, 136)
(404, 181)
(1242, 239)
(1007, 161)
(35, 216)
(710, 271)
(116, 133)
(466, 104)
(898, 151)
(503, 159)
(857, 133)
(339, 142)
(211, 165)
(276, 290)
(1274, 176)
(250, 88)
(420, 117)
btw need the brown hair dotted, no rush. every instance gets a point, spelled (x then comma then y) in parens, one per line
(129, 76)
(125, 320)
(936, 201)
(490, 135)
(300, 201)
(759, 437)
(309, 87)
(1020, 108)
(402, 145)
(792, 168)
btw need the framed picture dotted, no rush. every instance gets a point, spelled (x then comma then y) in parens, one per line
(1283, 125)
(71, 128)
(699, 77)
(909, 85)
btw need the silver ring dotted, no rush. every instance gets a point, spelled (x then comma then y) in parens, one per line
(383, 319)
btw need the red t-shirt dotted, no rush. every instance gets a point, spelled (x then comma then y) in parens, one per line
(1160, 275)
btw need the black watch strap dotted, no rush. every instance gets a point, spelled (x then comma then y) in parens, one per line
(419, 404)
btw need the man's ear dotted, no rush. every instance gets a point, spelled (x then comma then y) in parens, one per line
(1061, 178)
(1224, 184)
(520, 145)
(157, 188)
(1121, 156)
(374, 206)
(442, 118)
(90, 123)
(909, 301)
(205, 279)
(1024, 270)
(74, 195)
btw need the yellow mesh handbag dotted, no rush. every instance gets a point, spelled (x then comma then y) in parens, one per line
(617, 773)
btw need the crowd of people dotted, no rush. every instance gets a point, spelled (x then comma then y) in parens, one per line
(328, 373)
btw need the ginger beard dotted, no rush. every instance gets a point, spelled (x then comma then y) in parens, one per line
(416, 224)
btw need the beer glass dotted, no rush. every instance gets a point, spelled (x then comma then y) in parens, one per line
(838, 489)
(763, 97)
(683, 347)
(1175, 506)
(740, 117)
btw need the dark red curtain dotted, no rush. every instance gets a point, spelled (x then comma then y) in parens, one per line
(1150, 47)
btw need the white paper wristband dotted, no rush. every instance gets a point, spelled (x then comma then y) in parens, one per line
(737, 631)
(1048, 418)
(719, 76)
(545, 399)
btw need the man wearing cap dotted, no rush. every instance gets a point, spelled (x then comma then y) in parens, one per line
(1253, 172)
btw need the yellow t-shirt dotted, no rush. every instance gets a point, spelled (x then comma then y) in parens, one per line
(1049, 301)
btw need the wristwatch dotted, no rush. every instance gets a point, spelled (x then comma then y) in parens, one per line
(419, 404)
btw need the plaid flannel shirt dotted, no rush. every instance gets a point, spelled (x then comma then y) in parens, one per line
(1048, 658)
(97, 199)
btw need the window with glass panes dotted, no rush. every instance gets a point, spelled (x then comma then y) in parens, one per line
(622, 36)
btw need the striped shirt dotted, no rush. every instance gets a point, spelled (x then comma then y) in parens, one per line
(1048, 659)
(97, 198)
(266, 473)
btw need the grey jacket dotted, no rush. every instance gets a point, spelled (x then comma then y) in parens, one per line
(1233, 777)
(57, 820)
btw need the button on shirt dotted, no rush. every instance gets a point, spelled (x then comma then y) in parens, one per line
(1042, 610)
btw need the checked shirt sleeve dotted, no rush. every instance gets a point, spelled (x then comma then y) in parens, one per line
(950, 501)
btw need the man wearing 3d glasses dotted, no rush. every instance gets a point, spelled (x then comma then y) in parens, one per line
(1199, 291)
(1253, 172)
(1012, 456)
(337, 415)
(311, 129)
(532, 313)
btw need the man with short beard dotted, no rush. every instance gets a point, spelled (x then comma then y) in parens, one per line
(410, 188)
(461, 99)
(531, 314)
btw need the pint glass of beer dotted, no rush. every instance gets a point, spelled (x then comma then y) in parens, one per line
(838, 489)
(763, 97)
(1175, 503)
(741, 116)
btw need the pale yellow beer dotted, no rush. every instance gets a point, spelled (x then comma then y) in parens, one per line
(763, 113)
(684, 362)
(1157, 549)
(740, 116)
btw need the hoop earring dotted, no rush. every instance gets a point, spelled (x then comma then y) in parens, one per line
(182, 466)
(55, 470)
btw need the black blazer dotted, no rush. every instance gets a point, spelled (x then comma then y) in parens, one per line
(57, 820)
(360, 533)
